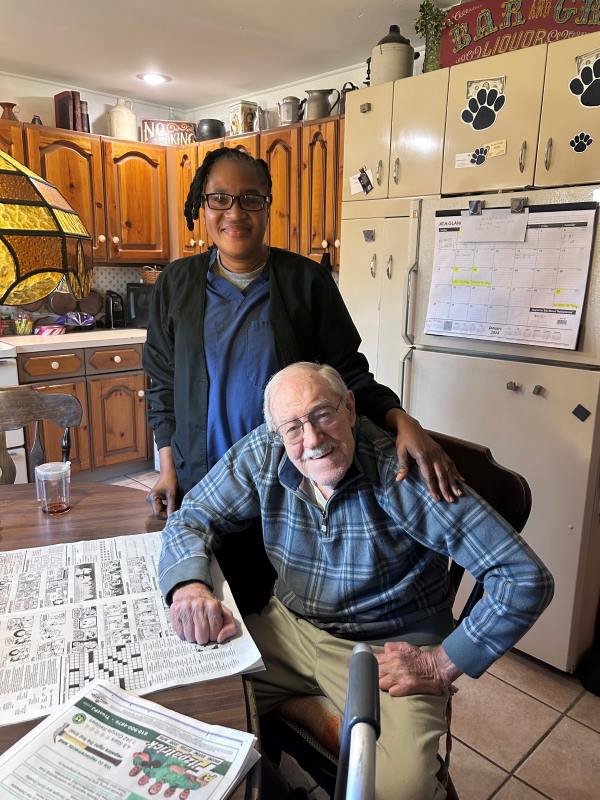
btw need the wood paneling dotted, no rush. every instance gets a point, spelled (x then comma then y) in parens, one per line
(11, 139)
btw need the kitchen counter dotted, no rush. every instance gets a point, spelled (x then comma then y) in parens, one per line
(98, 338)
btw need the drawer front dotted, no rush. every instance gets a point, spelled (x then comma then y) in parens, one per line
(38, 366)
(113, 359)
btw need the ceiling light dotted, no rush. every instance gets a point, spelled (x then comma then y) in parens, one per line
(154, 78)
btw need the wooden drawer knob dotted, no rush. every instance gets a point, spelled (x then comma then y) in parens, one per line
(101, 238)
(117, 359)
(141, 393)
(55, 364)
(116, 240)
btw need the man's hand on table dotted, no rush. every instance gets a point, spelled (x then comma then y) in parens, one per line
(405, 669)
(197, 615)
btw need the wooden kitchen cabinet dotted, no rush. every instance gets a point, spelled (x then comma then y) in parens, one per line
(11, 139)
(186, 164)
(73, 163)
(50, 366)
(135, 178)
(51, 434)
(117, 418)
(492, 122)
(248, 142)
(281, 150)
(320, 164)
(569, 141)
(417, 141)
(367, 139)
(204, 241)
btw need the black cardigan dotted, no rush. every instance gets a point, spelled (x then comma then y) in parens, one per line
(310, 323)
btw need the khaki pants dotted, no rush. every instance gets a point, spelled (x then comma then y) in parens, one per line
(302, 659)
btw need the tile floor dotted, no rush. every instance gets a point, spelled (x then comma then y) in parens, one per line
(523, 731)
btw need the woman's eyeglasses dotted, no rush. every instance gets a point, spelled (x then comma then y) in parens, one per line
(221, 201)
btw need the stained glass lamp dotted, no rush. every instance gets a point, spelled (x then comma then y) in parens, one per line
(43, 243)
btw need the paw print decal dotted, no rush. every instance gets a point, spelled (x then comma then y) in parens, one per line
(479, 155)
(481, 110)
(587, 85)
(580, 142)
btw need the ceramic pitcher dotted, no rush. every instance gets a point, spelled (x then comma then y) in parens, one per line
(317, 103)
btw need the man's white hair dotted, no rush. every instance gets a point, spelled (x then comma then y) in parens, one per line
(331, 375)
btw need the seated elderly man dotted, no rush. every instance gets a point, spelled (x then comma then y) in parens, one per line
(359, 557)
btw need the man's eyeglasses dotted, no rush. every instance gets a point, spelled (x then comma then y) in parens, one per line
(291, 432)
(221, 201)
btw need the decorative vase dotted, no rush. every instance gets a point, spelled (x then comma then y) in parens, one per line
(122, 122)
(7, 111)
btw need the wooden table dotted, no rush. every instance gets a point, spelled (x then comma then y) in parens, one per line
(98, 511)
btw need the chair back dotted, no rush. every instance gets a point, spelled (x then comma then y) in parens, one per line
(21, 405)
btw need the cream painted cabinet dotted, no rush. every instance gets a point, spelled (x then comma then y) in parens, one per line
(367, 139)
(492, 122)
(377, 256)
(417, 144)
(569, 143)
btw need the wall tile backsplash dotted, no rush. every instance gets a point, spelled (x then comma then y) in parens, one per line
(114, 278)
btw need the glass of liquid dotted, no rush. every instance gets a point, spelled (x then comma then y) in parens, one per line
(53, 483)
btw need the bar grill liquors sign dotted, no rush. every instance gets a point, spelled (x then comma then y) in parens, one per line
(480, 29)
(168, 131)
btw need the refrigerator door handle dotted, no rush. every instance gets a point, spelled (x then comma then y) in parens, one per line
(416, 217)
(406, 357)
(522, 154)
(373, 265)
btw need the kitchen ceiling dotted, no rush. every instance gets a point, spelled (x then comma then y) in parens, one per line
(213, 50)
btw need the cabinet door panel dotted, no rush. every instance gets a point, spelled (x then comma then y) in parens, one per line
(367, 138)
(538, 436)
(11, 139)
(118, 418)
(73, 163)
(569, 145)
(360, 279)
(478, 116)
(418, 123)
(319, 189)
(281, 151)
(186, 165)
(249, 143)
(51, 434)
(136, 197)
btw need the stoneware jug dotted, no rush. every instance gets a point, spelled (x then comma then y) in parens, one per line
(392, 58)
(122, 122)
(317, 103)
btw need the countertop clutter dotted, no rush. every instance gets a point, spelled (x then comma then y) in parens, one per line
(98, 338)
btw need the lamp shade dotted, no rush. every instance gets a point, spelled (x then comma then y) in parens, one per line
(42, 240)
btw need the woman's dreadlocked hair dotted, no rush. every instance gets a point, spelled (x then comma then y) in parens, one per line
(196, 193)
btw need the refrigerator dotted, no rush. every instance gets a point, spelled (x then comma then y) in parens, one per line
(535, 407)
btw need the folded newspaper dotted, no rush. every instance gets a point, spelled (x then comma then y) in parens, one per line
(74, 612)
(107, 744)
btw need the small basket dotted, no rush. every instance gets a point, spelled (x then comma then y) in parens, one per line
(149, 274)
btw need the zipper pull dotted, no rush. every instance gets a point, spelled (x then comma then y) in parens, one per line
(324, 522)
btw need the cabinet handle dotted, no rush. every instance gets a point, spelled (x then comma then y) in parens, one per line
(396, 169)
(192, 242)
(324, 244)
(55, 364)
(548, 154)
(388, 268)
(405, 359)
(116, 240)
(141, 393)
(337, 244)
(365, 108)
(117, 359)
(201, 242)
(101, 238)
(379, 171)
(373, 264)
(522, 154)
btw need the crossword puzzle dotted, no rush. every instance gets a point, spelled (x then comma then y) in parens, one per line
(122, 664)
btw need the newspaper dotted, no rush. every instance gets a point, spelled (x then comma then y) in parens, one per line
(107, 744)
(70, 613)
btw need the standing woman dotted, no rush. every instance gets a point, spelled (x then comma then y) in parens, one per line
(221, 323)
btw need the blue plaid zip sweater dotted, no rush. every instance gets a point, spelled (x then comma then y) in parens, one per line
(375, 561)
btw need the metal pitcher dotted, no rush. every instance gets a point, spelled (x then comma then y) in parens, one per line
(317, 103)
(290, 110)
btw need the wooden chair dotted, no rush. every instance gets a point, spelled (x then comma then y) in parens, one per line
(316, 752)
(21, 405)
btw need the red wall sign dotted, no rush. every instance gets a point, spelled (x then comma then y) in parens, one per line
(480, 29)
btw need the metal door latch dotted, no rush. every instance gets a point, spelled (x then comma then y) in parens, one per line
(513, 386)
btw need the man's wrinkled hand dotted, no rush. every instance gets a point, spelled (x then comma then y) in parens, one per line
(436, 467)
(405, 669)
(198, 616)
